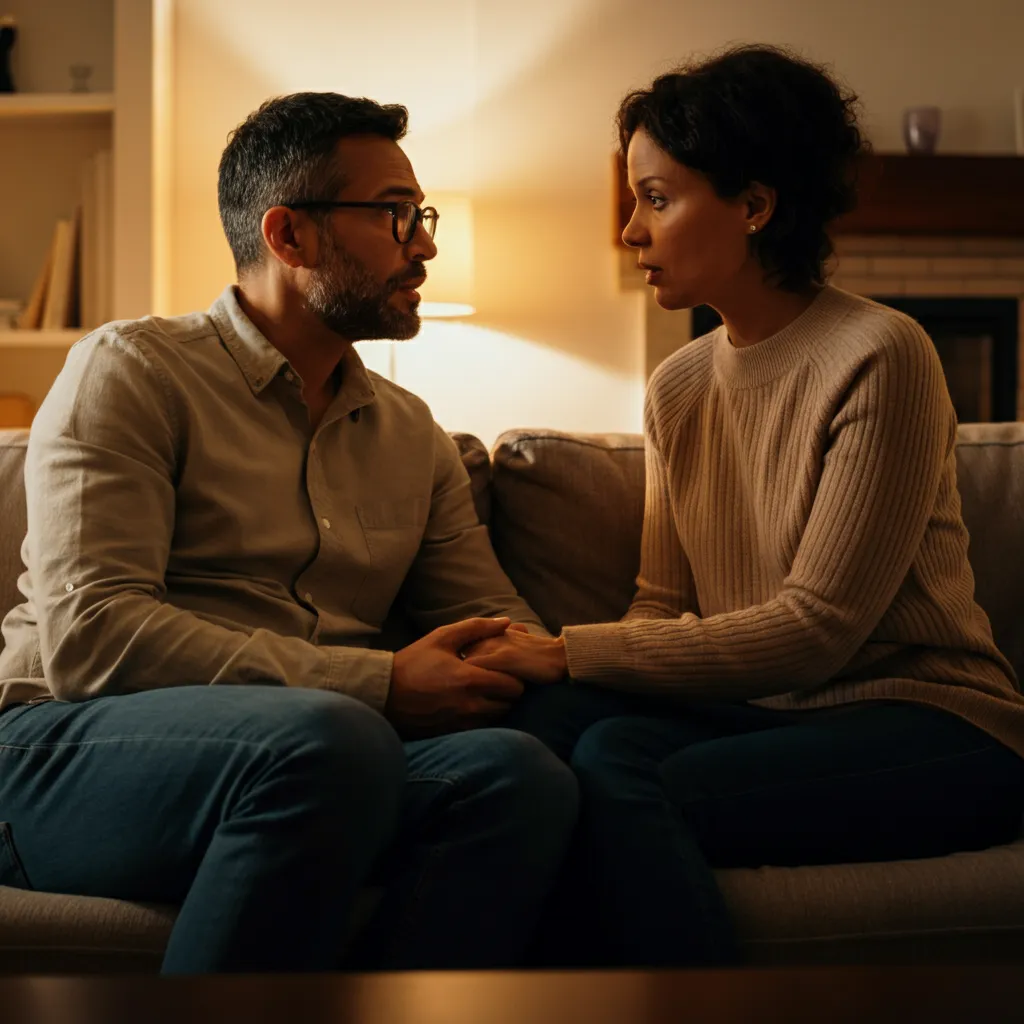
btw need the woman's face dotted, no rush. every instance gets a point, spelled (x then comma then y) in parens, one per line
(693, 243)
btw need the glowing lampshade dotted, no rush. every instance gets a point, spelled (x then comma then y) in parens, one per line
(448, 291)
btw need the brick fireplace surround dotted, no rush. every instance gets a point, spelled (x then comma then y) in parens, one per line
(936, 268)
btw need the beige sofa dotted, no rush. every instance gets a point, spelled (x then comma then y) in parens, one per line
(565, 513)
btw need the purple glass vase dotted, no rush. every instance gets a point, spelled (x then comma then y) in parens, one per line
(921, 129)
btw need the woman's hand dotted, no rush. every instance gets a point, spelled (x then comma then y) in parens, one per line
(533, 659)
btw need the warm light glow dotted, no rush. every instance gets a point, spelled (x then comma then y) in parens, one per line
(448, 291)
(445, 310)
(485, 381)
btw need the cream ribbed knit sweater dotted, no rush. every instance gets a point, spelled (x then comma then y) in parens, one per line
(803, 544)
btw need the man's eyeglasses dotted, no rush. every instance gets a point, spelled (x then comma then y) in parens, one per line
(405, 215)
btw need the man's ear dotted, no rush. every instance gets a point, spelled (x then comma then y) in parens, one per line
(291, 236)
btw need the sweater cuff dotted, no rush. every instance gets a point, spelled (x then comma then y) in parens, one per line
(360, 673)
(597, 653)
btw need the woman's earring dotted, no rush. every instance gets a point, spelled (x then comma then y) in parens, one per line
(753, 228)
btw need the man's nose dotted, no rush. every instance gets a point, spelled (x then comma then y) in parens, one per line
(422, 246)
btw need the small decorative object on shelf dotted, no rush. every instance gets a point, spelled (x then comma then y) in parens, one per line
(921, 129)
(80, 77)
(8, 35)
(10, 309)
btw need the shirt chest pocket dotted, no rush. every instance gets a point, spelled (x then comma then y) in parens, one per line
(392, 531)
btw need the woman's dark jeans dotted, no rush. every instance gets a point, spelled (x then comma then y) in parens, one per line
(669, 793)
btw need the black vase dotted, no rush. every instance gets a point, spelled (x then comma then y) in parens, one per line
(8, 34)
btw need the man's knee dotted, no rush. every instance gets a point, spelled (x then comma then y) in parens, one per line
(522, 778)
(343, 726)
(336, 744)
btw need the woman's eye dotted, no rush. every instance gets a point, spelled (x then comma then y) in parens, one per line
(656, 201)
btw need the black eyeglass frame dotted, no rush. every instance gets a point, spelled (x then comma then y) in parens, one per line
(426, 215)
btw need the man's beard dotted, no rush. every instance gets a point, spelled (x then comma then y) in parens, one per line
(347, 298)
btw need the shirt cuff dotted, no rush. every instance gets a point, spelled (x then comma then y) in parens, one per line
(360, 673)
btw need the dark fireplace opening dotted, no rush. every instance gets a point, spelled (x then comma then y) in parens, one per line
(977, 344)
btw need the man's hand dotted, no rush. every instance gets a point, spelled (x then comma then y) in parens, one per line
(434, 691)
(534, 659)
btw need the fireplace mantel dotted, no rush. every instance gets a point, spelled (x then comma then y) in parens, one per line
(944, 196)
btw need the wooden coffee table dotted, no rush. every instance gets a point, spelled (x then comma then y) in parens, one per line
(932, 995)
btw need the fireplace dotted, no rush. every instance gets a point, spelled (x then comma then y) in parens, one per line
(977, 342)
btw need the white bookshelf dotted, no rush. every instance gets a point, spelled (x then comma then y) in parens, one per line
(41, 339)
(46, 138)
(56, 104)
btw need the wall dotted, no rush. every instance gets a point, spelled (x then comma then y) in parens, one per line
(513, 103)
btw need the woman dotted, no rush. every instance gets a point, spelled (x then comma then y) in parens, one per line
(805, 603)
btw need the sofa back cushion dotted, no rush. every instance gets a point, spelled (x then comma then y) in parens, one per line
(990, 475)
(12, 515)
(566, 515)
(567, 511)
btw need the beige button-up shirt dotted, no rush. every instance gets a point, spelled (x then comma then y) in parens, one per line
(187, 526)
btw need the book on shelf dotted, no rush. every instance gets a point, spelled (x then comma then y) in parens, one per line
(57, 311)
(74, 287)
(32, 316)
(96, 250)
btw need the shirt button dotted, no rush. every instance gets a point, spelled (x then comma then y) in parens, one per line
(326, 522)
(289, 376)
(69, 587)
(258, 382)
(309, 597)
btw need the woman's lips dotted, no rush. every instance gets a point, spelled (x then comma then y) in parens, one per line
(653, 276)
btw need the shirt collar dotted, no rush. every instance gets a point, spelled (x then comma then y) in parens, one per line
(260, 362)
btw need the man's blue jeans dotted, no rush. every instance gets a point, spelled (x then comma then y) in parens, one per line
(262, 810)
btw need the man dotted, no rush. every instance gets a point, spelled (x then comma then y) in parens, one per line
(230, 498)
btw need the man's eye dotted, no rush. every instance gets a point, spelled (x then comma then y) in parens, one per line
(656, 201)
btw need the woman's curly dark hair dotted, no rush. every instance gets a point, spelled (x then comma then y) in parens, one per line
(760, 113)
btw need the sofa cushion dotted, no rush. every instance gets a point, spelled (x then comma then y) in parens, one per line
(990, 475)
(566, 515)
(46, 933)
(477, 461)
(12, 515)
(960, 907)
(963, 906)
(70, 934)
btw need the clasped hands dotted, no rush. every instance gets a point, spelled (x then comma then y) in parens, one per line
(468, 674)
